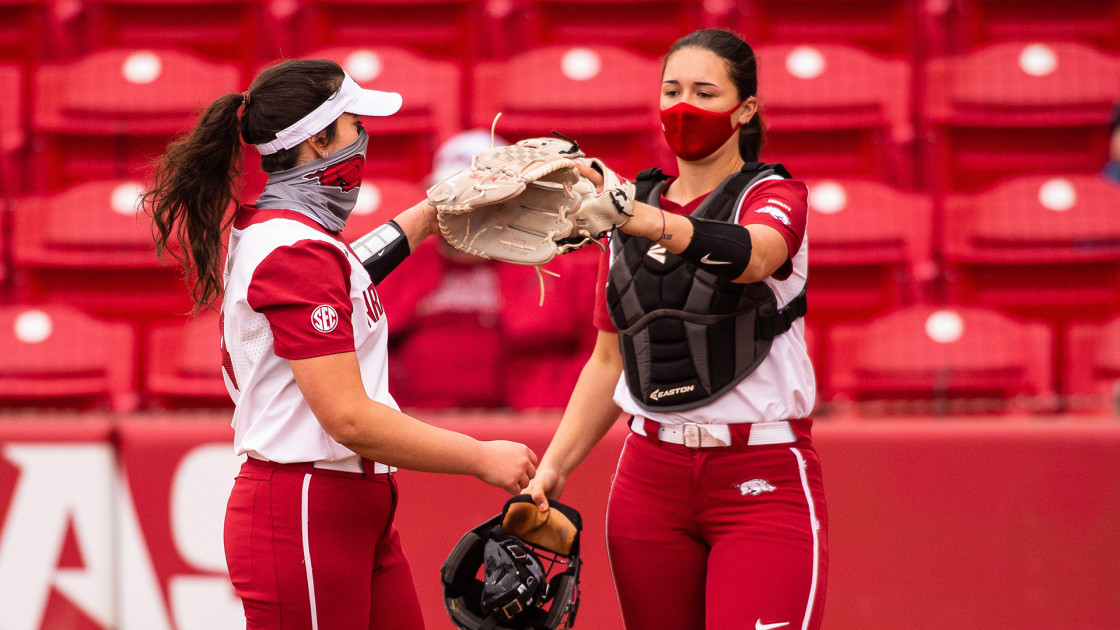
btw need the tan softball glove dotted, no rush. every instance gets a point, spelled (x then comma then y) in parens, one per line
(513, 203)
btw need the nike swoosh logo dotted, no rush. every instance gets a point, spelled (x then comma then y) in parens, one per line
(708, 261)
(758, 625)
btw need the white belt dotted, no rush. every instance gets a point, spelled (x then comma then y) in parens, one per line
(350, 465)
(694, 435)
(354, 465)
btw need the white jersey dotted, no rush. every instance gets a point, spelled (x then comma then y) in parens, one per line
(293, 290)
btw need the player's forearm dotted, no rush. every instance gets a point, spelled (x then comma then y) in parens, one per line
(590, 412)
(671, 231)
(332, 386)
(382, 250)
(383, 434)
(418, 223)
(763, 252)
(385, 248)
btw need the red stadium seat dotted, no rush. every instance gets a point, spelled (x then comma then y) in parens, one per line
(89, 247)
(1039, 246)
(882, 26)
(56, 356)
(447, 29)
(647, 27)
(609, 102)
(12, 138)
(956, 358)
(869, 248)
(5, 253)
(183, 364)
(222, 30)
(1044, 248)
(107, 115)
(13, 134)
(23, 36)
(836, 111)
(1018, 108)
(403, 145)
(1092, 366)
(974, 23)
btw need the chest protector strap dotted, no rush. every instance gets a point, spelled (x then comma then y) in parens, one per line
(687, 336)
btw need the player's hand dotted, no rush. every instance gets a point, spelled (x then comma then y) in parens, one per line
(430, 216)
(548, 484)
(507, 465)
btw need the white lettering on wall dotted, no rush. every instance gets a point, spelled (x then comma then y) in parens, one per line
(78, 487)
(198, 510)
(58, 487)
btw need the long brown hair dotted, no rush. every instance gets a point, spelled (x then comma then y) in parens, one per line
(743, 70)
(198, 176)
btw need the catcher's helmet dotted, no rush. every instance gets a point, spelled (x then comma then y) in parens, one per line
(530, 563)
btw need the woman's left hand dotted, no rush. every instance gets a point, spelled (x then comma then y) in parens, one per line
(548, 484)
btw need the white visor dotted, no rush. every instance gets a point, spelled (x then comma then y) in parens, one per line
(350, 98)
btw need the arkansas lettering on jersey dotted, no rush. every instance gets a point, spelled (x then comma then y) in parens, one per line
(293, 291)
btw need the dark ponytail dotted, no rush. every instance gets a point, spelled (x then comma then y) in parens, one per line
(197, 178)
(742, 67)
(194, 184)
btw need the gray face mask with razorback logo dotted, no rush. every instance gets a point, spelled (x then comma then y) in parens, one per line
(324, 189)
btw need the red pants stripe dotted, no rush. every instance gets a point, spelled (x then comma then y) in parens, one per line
(718, 538)
(312, 549)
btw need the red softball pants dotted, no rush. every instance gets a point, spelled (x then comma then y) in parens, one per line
(718, 538)
(314, 549)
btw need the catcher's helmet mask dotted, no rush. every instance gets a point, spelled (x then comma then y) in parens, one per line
(526, 587)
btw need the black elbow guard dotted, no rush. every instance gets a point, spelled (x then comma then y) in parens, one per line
(722, 249)
(382, 250)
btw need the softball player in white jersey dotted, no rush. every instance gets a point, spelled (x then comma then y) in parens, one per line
(309, 533)
(716, 517)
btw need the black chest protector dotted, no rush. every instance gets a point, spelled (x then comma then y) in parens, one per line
(687, 336)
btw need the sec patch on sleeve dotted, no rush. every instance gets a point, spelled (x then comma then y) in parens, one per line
(324, 318)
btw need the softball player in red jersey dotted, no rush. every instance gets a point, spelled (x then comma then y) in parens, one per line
(716, 517)
(309, 534)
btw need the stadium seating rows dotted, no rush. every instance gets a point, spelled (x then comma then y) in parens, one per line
(932, 185)
(962, 123)
(954, 123)
(249, 32)
(959, 358)
(1017, 107)
(872, 255)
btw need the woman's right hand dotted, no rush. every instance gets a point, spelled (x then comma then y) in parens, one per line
(507, 465)
(548, 484)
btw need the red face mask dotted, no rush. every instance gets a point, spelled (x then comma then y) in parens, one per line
(695, 133)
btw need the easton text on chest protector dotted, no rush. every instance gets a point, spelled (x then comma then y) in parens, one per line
(687, 336)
